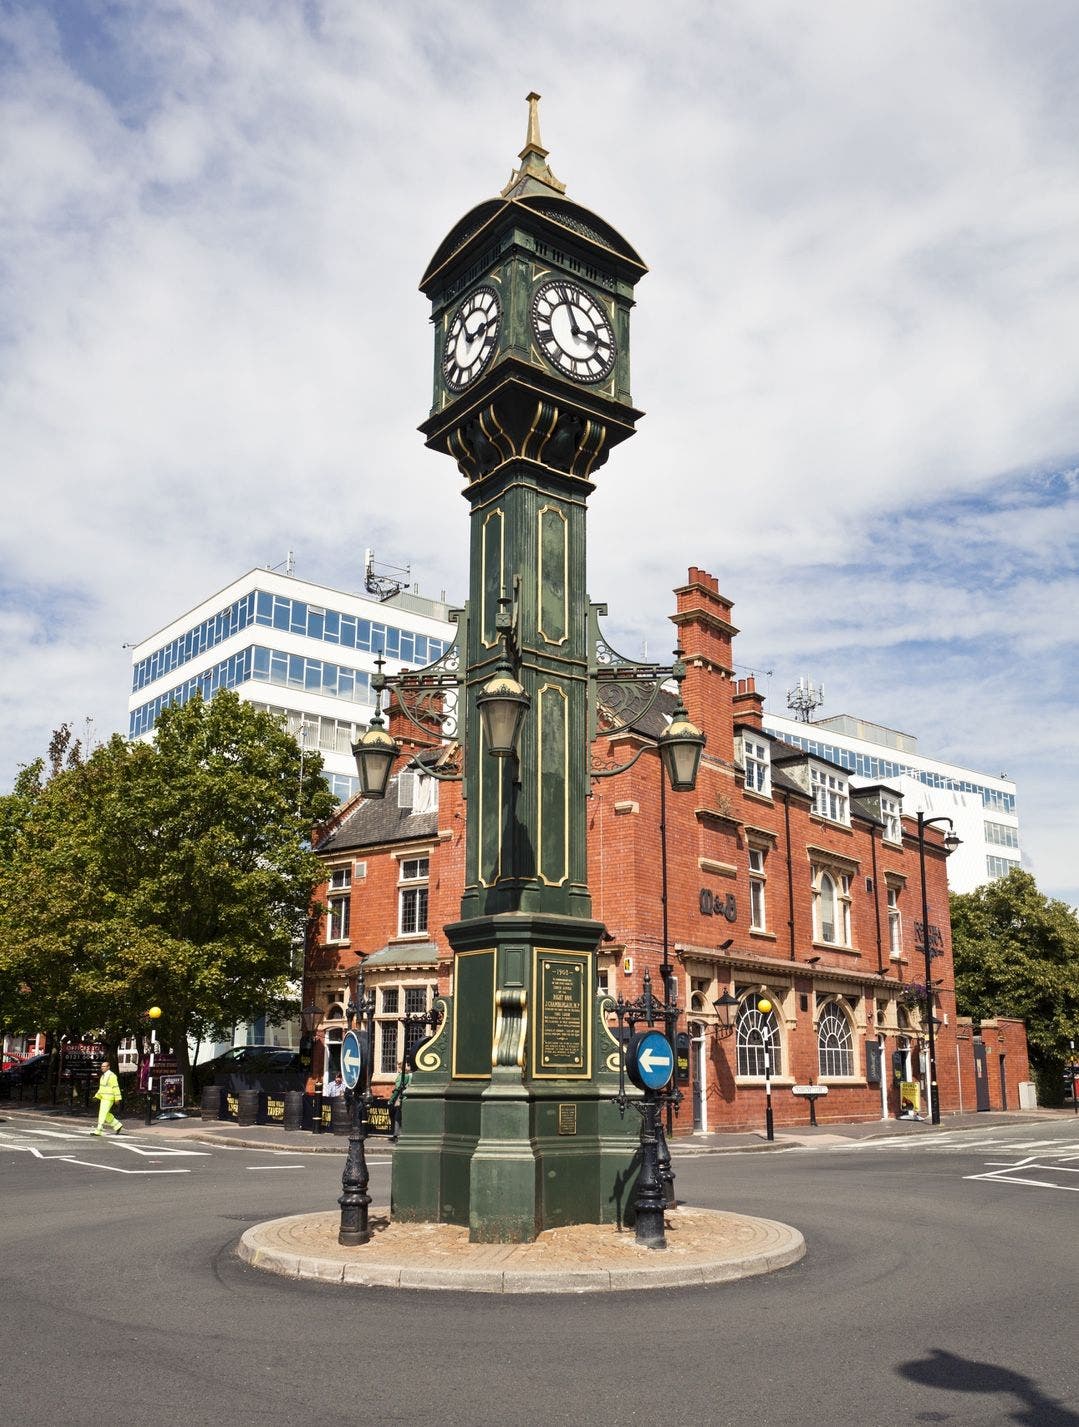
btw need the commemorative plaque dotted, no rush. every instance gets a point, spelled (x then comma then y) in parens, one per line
(561, 1037)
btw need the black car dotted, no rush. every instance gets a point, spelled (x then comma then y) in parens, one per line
(26, 1071)
(273, 1069)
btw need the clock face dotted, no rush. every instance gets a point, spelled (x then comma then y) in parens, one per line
(573, 331)
(470, 341)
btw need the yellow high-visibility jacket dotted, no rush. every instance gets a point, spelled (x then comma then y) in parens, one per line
(109, 1088)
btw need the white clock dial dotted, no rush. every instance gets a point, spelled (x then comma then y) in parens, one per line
(471, 338)
(573, 331)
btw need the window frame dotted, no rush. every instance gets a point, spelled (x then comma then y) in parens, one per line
(339, 905)
(758, 888)
(413, 895)
(833, 1011)
(831, 793)
(841, 897)
(749, 1022)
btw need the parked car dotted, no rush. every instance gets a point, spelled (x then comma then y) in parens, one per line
(273, 1069)
(26, 1072)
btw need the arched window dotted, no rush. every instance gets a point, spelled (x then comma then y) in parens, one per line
(757, 1033)
(831, 907)
(835, 1043)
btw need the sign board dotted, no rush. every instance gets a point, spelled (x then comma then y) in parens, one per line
(379, 1117)
(649, 1060)
(810, 1092)
(910, 1097)
(351, 1059)
(681, 1057)
(171, 1092)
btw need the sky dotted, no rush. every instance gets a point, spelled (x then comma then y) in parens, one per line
(857, 346)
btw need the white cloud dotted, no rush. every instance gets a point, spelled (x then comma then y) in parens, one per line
(862, 314)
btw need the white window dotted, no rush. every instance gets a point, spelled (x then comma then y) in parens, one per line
(339, 904)
(396, 1036)
(999, 866)
(1001, 835)
(756, 1037)
(758, 919)
(757, 763)
(890, 811)
(835, 1043)
(830, 796)
(412, 904)
(895, 924)
(831, 907)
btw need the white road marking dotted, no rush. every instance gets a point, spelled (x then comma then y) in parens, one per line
(276, 1166)
(116, 1168)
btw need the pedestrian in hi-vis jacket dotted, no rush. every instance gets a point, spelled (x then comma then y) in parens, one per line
(108, 1095)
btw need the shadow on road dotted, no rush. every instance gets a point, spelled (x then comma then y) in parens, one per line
(955, 1374)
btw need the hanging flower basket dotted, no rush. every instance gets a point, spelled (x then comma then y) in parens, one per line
(913, 995)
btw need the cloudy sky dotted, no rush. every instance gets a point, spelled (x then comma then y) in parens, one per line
(857, 346)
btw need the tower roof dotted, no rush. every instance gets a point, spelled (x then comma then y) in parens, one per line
(534, 189)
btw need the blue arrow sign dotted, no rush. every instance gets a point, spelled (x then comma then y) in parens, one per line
(351, 1059)
(649, 1060)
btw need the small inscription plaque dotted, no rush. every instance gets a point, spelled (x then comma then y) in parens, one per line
(561, 1038)
(567, 1119)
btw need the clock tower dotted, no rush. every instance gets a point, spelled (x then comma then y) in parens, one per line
(510, 1126)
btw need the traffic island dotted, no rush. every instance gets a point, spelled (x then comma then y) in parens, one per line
(703, 1247)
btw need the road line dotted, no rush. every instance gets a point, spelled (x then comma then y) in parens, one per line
(275, 1166)
(999, 1176)
(116, 1168)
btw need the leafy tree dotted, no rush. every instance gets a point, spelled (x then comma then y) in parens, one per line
(1016, 953)
(176, 874)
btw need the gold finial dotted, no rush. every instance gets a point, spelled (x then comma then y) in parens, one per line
(533, 145)
(534, 175)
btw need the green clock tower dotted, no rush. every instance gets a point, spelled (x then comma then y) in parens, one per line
(510, 1125)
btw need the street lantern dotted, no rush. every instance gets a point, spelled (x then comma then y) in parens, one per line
(725, 1007)
(681, 743)
(502, 705)
(374, 755)
(680, 746)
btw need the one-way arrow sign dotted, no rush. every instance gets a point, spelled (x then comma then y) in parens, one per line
(351, 1059)
(649, 1060)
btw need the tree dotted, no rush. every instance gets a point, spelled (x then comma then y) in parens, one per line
(1016, 953)
(176, 874)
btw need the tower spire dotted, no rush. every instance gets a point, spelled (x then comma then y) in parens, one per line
(534, 175)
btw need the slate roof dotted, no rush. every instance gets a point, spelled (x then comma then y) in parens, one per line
(370, 822)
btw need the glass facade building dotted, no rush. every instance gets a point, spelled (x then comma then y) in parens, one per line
(296, 649)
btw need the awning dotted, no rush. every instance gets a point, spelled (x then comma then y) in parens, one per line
(409, 953)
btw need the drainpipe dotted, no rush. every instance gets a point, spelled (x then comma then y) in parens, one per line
(790, 871)
(876, 898)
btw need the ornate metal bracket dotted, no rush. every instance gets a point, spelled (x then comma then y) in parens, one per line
(626, 690)
(430, 698)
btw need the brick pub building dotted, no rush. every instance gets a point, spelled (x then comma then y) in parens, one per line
(783, 883)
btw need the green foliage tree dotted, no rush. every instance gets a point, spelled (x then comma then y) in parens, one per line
(177, 874)
(1016, 953)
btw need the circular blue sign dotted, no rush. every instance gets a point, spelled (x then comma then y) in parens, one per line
(649, 1060)
(351, 1059)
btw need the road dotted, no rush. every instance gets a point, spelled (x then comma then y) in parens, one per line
(940, 1285)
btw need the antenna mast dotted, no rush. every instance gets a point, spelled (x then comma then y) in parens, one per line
(385, 586)
(803, 699)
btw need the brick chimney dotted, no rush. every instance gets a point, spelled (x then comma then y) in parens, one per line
(705, 633)
(748, 704)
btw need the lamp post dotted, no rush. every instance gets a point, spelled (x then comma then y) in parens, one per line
(764, 1006)
(354, 1199)
(951, 842)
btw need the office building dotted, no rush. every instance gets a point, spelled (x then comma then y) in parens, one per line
(982, 807)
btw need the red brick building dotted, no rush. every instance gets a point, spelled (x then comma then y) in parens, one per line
(775, 879)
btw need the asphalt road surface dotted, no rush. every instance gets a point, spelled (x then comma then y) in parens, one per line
(941, 1285)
